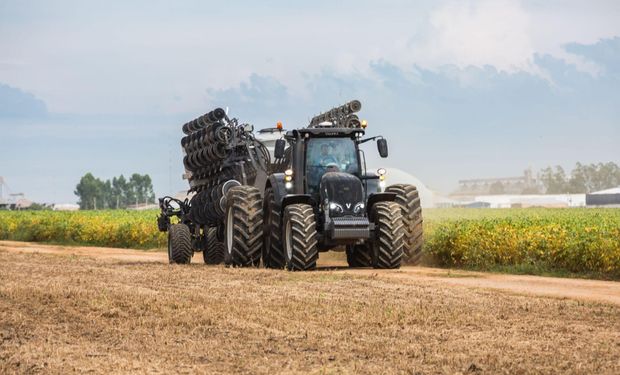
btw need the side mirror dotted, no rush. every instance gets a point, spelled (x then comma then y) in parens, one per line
(278, 151)
(382, 147)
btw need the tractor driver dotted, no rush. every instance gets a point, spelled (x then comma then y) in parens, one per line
(323, 162)
(326, 158)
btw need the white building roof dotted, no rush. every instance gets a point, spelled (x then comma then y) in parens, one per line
(615, 190)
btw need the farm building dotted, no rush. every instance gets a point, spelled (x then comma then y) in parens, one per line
(533, 200)
(65, 207)
(526, 183)
(604, 198)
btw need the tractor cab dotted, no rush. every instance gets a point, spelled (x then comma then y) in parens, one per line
(329, 156)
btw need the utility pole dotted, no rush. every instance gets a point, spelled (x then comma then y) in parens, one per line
(95, 202)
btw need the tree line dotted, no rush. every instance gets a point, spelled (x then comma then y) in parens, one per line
(94, 193)
(584, 178)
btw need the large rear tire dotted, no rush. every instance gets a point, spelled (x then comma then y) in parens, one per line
(389, 235)
(299, 238)
(359, 256)
(179, 244)
(408, 198)
(214, 250)
(243, 227)
(273, 253)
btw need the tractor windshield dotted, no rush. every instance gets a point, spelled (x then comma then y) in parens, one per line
(329, 155)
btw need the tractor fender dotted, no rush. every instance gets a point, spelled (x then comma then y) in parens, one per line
(296, 198)
(379, 197)
(283, 197)
(276, 182)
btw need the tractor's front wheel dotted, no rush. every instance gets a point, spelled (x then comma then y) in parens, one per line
(179, 244)
(299, 238)
(389, 235)
(243, 227)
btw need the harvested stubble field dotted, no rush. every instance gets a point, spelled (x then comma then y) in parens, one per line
(63, 313)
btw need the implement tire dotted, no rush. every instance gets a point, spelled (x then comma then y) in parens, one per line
(214, 250)
(359, 256)
(273, 253)
(179, 244)
(389, 235)
(299, 238)
(243, 227)
(409, 200)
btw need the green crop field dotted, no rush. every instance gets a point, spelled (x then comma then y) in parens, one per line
(581, 241)
(585, 241)
(109, 228)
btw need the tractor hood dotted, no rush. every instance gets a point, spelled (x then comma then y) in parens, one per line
(343, 193)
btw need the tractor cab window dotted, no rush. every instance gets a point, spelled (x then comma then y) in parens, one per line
(329, 155)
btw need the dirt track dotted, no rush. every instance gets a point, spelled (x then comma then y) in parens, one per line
(589, 290)
(124, 311)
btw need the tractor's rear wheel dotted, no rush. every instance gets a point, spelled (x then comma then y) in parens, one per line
(243, 227)
(299, 238)
(214, 250)
(408, 198)
(389, 235)
(273, 253)
(359, 256)
(179, 244)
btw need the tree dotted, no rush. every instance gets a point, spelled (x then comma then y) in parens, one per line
(91, 192)
(496, 188)
(140, 189)
(531, 190)
(608, 176)
(115, 193)
(584, 178)
(554, 181)
(118, 192)
(594, 177)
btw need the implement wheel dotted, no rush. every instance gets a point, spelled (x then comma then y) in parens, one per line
(243, 227)
(359, 256)
(214, 250)
(179, 244)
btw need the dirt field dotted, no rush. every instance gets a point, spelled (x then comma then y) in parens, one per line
(127, 311)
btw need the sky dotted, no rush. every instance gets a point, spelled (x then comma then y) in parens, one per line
(461, 89)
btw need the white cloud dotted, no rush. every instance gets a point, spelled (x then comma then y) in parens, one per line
(143, 58)
(486, 33)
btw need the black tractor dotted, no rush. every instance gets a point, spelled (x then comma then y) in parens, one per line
(308, 193)
(322, 198)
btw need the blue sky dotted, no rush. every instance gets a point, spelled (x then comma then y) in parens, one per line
(460, 89)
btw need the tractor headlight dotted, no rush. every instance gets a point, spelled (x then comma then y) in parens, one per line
(288, 175)
(288, 179)
(358, 208)
(381, 172)
(335, 207)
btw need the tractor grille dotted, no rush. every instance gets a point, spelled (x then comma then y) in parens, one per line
(350, 227)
